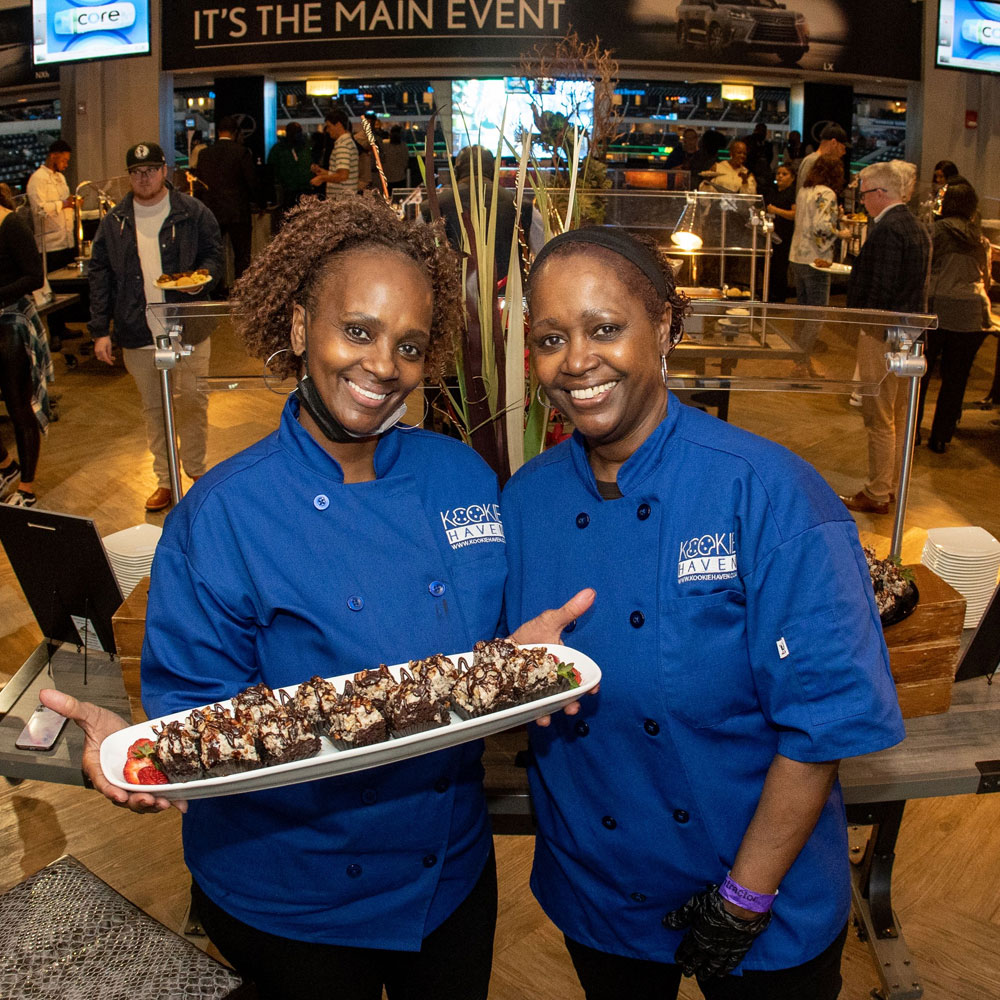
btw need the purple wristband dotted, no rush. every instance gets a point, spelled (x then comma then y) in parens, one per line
(739, 895)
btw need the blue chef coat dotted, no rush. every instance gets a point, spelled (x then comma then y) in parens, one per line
(273, 569)
(734, 620)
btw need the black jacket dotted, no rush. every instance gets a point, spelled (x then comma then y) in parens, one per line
(892, 269)
(230, 181)
(189, 239)
(960, 276)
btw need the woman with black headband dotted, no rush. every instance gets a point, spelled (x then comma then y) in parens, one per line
(689, 817)
(340, 541)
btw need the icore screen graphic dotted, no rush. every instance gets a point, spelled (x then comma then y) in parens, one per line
(969, 35)
(79, 30)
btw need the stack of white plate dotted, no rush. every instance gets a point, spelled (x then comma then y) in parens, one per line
(130, 553)
(968, 559)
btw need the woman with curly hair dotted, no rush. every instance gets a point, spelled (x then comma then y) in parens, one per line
(740, 650)
(340, 541)
(816, 231)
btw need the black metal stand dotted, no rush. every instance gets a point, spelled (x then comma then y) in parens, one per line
(871, 891)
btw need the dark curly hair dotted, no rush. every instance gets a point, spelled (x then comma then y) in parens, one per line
(294, 264)
(631, 277)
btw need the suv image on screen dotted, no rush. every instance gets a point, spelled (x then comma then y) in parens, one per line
(743, 26)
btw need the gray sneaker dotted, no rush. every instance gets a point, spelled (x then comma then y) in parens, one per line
(9, 478)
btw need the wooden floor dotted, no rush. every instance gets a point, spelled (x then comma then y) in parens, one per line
(94, 463)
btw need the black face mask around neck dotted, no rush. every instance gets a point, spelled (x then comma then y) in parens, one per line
(331, 428)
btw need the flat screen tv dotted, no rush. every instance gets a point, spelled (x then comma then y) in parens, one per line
(968, 36)
(482, 105)
(66, 31)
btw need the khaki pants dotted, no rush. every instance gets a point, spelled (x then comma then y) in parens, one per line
(885, 419)
(190, 408)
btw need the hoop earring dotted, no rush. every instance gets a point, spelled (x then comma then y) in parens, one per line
(423, 416)
(663, 368)
(542, 398)
(267, 375)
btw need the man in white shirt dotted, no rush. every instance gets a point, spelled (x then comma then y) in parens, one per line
(341, 179)
(151, 231)
(832, 142)
(52, 219)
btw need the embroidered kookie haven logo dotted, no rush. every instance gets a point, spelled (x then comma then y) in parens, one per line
(707, 557)
(473, 525)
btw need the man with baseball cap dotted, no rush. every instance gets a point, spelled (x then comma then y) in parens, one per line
(154, 230)
(832, 142)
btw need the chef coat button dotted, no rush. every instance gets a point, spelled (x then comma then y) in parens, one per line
(582, 520)
(321, 501)
(430, 860)
(436, 588)
(681, 815)
(582, 728)
(368, 796)
(570, 626)
(639, 897)
(442, 785)
(651, 726)
(643, 512)
(355, 603)
(609, 822)
(353, 871)
(637, 619)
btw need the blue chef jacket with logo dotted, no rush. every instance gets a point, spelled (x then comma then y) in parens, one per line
(734, 620)
(273, 569)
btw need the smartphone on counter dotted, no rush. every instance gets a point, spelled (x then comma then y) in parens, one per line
(41, 731)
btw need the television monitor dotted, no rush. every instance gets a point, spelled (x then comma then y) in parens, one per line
(65, 31)
(968, 36)
(479, 108)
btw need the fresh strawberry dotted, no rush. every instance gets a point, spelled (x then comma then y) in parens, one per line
(141, 755)
(151, 775)
(568, 672)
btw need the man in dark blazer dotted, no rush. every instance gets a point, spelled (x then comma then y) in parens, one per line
(229, 186)
(891, 273)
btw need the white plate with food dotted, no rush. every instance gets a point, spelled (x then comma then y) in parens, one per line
(184, 279)
(831, 268)
(343, 716)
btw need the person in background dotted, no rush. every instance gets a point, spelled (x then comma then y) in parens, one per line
(732, 175)
(780, 202)
(891, 272)
(468, 164)
(793, 152)
(817, 230)
(340, 178)
(230, 190)
(198, 145)
(710, 145)
(52, 208)
(291, 169)
(682, 155)
(152, 230)
(760, 155)
(395, 158)
(690, 821)
(944, 171)
(958, 294)
(25, 362)
(832, 142)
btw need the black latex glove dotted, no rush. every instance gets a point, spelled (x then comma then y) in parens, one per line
(716, 941)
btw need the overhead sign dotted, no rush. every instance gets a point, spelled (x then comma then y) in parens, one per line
(842, 36)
